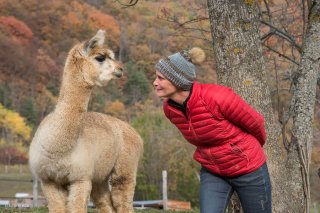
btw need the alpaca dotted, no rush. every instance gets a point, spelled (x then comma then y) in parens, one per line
(76, 153)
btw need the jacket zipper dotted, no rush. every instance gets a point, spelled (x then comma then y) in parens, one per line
(187, 117)
(190, 123)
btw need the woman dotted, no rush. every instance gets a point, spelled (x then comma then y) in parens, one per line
(227, 132)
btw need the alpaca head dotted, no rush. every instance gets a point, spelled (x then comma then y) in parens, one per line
(92, 63)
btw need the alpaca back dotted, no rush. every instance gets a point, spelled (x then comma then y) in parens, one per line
(99, 142)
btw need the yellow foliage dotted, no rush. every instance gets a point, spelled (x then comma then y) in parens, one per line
(2, 142)
(14, 123)
(250, 2)
(19, 146)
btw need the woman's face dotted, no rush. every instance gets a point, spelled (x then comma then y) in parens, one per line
(163, 87)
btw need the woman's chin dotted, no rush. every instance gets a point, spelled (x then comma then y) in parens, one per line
(160, 94)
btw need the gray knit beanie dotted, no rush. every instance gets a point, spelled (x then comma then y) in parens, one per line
(180, 69)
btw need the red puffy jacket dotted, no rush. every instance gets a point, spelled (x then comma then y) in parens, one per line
(228, 133)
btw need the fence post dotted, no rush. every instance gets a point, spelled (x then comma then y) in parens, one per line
(164, 190)
(315, 208)
(35, 191)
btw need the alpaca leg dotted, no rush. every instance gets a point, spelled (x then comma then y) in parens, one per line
(122, 192)
(79, 192)
(56, 196)
(101, 197)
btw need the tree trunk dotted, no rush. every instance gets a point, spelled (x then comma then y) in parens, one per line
(303, 103)
(240, 65)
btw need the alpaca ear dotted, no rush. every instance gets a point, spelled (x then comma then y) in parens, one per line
(97, 40)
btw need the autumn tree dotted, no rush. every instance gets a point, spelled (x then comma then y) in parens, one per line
(20, 32)
(14, 137)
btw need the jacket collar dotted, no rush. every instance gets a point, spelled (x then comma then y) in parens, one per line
(189, 100)
(184, 105)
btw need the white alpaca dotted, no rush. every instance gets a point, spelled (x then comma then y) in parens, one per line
(76, 153)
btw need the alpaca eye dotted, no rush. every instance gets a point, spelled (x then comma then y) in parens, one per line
(100, 58)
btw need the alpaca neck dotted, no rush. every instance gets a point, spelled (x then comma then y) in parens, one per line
(73, 100)
(72, 104)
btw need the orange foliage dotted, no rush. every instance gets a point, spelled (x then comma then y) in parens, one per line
(116, 108)
(71, 18)
(46, 64)
(104, 21)
(19, 31)
(79, 7)
(140, 52)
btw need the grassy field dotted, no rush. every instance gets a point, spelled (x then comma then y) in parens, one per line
(15, 179)
(45, 210)
(11, 182)
(8, 188)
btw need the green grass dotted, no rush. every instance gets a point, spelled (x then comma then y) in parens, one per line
(45, 210)
(315, 208)
(17, 172)
(9, 174)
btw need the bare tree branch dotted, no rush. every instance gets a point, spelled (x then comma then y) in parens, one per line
(268, 9)
(304, 16)
(283, 35)
(192, 21)
(130, 4)
(186, 26)
(175, 20)
(281, 54)
(283, 131)
(267, 35)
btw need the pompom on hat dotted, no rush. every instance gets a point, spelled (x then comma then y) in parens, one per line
(180, 69)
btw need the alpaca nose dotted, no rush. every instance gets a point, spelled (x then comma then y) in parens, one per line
(120, 69)
(119, 72)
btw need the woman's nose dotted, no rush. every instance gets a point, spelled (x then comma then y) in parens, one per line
(155, 82)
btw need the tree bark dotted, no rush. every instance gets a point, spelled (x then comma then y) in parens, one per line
(240, 65)
(303, 103)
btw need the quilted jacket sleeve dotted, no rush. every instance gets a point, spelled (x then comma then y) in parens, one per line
(237, 111)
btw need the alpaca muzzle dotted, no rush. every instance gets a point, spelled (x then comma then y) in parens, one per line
(118, 72)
